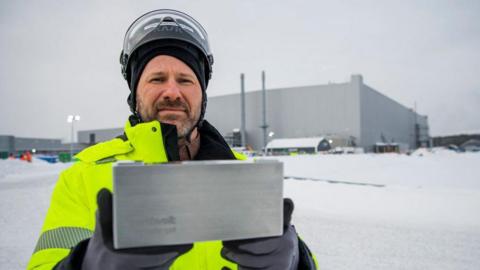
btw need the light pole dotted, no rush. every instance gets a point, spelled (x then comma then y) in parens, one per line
(71, 119)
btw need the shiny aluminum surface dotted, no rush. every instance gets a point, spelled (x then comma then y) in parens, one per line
(186, 202)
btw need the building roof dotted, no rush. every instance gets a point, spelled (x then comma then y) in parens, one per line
(471, 142)
(385, 144)
(295, 142)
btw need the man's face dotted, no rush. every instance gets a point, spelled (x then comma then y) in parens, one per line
(169, 92)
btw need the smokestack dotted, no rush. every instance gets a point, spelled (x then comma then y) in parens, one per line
(264, 126)
(242, 109)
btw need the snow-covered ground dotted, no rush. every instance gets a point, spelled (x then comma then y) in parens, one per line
(427, 215)
(25, 190)
(360, 211)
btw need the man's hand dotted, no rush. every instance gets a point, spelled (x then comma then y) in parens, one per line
(100, 253)
(271, 253)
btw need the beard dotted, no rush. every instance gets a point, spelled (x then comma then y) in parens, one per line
(185, 123)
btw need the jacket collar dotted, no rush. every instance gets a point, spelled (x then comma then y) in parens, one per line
(212, 144)
(148, 142)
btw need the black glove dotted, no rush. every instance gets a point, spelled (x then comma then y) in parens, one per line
(271, 253)
(98, 253)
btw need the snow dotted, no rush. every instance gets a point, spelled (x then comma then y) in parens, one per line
(427, 215)
(25, 190)
(422, 211)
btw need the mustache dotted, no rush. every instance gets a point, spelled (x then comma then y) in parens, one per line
(175, 104)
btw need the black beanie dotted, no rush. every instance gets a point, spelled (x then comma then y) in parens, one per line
(184, 52)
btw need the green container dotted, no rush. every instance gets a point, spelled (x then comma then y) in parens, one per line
(3, 155)
(64, 157)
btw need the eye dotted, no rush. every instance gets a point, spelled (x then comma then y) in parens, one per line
(185, 81)
(157, 79)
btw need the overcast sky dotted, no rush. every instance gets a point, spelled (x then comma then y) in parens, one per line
(61, 57)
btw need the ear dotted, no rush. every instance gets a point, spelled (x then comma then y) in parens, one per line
(288, 207)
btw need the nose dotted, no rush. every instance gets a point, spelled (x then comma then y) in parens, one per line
(172, 90)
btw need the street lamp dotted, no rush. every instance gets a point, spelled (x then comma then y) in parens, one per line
(270, 136)
(71, 119)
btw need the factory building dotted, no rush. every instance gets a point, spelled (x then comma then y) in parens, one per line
(351, 112)
(16, 145)
(98, 135)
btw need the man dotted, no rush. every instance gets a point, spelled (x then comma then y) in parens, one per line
(167, 63)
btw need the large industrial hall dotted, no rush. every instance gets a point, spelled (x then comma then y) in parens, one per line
(350, 113)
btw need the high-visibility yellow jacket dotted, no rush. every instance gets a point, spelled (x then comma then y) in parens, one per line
(71, 215)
